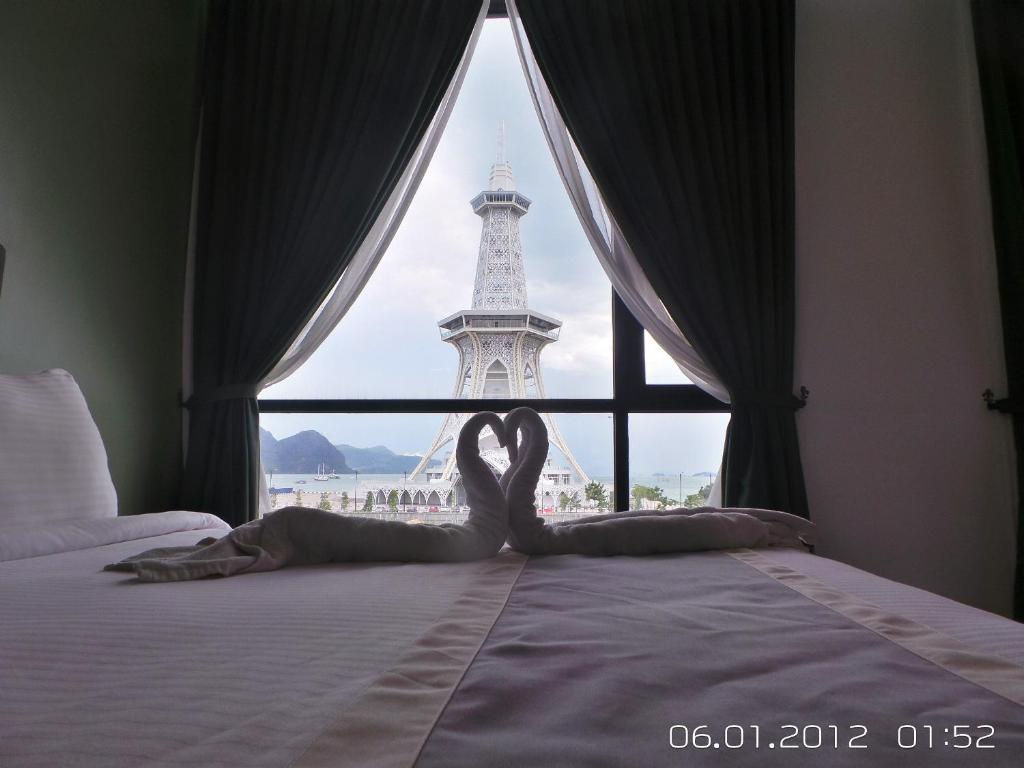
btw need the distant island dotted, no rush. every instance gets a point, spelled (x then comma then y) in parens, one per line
(675, 474)
(305, 452)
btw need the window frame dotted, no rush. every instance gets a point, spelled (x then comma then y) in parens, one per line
(630, 391)
(630, 394)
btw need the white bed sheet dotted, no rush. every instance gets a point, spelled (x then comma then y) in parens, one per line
(979, 629)
(98, 670)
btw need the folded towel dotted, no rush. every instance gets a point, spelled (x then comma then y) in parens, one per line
(300, 536)
(626, 533)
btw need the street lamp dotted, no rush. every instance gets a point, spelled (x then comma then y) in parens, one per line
(355, 492)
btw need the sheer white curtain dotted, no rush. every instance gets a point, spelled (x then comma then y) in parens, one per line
(612, 251)
(365, 260)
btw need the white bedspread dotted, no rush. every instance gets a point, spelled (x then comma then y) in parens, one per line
(595, 659)
(563, 661)
(98, 670)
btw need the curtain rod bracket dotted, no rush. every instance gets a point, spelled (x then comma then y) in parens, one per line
(804, 394)
(1002, 405)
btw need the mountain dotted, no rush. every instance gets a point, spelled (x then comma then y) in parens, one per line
(301, 454)
(378, 460)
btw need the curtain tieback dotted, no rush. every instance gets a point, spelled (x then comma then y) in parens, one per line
(771, 401)
(220, 394)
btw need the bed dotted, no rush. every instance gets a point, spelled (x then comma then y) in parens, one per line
(773, 657)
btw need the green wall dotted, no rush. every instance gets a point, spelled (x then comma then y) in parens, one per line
(97, 111)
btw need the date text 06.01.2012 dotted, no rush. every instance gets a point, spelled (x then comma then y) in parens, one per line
(828, 736)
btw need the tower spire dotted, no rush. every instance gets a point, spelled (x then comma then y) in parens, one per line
(499, 154)
(499, 339)
(501, 172)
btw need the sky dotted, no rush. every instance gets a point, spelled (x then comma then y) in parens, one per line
(389, 344)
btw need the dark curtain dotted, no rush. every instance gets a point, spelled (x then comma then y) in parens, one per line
(311, 111)
(683, 112)
(999, 39)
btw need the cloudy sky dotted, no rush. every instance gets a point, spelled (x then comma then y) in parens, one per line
(389, 345)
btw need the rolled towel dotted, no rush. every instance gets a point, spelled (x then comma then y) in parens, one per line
(626, 533)
(300, 536)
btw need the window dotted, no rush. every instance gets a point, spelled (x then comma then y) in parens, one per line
(489, 297)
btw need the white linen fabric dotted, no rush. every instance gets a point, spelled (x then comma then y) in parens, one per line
(625, 533)
(99, 672)
(979, 629)
(37, 540)
(297, 536)
(593, 660)
(587, 663)
(605, 237)
(53, 466)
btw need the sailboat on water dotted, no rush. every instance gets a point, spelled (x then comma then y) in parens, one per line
(321, 473)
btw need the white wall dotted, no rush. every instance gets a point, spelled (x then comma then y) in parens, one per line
(898, 327)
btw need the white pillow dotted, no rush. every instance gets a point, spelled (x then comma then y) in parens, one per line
(53, 467)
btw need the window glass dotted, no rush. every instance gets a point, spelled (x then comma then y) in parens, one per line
(382, 464)
(660, 368)
(554, 339)
(674, 457)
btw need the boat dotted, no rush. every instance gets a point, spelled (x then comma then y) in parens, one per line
(321, 474)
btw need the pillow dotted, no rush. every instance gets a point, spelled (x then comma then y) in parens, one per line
(53, 466)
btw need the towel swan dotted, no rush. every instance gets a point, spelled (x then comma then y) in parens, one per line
(300, 536)
(625, 533)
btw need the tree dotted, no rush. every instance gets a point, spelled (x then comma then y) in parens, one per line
(574, 500)
(273, 499)
(563, 500)
(698, 499)
(642, 493)
(393, 500)
(595, 492)
(344, 501)
(325, 502)
(298, 497)
(368, 502)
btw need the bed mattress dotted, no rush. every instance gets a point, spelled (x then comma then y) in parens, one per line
(778, 657)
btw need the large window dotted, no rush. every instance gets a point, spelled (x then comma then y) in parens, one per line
(489, 297)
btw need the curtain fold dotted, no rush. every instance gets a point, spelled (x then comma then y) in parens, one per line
(613, 252)
(683, 112)
(999, 41)
(365, 260)
(312, 114)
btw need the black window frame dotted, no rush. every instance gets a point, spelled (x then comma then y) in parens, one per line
(630, 394)
(630, 391)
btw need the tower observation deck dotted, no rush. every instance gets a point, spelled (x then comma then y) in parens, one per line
(499, 339)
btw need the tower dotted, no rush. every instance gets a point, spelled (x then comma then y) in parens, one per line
(499, 339)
